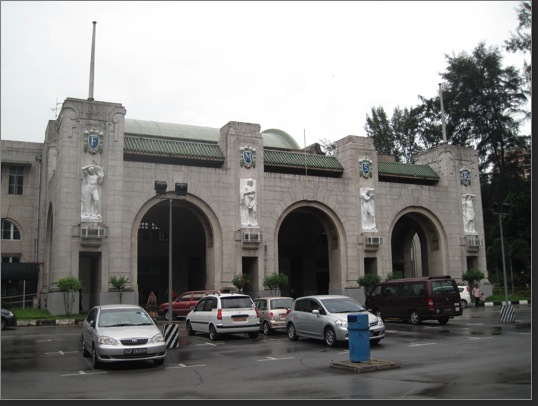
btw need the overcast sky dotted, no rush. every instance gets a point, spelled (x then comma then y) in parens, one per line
(306, 67)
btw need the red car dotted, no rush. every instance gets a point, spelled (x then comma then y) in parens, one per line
(181, 306)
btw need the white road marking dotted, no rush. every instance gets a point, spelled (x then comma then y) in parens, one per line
(419, 345)
(80, 373)
(274, 359)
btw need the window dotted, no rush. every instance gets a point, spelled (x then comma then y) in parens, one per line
(11, 259)
(16, 176)
(151, 232)
(10, 231)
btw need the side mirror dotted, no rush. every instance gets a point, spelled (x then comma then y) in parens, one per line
(316, 312)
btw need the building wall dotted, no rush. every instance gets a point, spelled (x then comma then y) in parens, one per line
(128, 194)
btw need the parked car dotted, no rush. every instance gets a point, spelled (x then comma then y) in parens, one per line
(181, 306)
(465, 296)
(224, 313)
(324, 317)
(119, 333)
(8, 319)
(416, 299)
(273, 311)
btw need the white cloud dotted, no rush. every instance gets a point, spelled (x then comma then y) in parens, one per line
(315, 67)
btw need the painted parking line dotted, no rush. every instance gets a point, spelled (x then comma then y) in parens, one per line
(274, 359)
(477, 338)
(81, 373)
(419, 345)
(186, 366)
(49, 340)
(62, 352)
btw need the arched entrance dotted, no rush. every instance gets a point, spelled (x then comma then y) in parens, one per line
(416, 244)
(192, 245)
(308, 250)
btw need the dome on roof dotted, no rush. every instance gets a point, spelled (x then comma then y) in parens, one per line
(274, 138)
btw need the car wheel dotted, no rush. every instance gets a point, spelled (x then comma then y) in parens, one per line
(443, 320)
(330, 337)
(4, 324)
(253, 335)
(463, 303)
(166, 316)
(414, 318)
(95, 360)
(266, 328)
(292, 334)
(159, 361)
(374, 342)
(85, 352)
(213, 335)
(190, 331)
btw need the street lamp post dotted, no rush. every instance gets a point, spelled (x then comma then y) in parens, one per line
(172, 330)
(507, 310)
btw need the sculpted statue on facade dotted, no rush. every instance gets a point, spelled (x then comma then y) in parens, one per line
(92, 179)
(468, 213)
(367, 208)
(248, 202)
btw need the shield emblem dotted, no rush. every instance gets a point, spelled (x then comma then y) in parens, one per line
(93, 141)
(247, 157)
(365, 166)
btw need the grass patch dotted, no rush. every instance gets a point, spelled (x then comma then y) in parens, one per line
(498, 295)
(43, 314)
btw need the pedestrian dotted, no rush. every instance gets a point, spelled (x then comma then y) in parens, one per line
(151, 305)
(476, 295)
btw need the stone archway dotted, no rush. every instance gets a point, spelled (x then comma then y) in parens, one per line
(193, 247)
(418, 244)
(309, 249)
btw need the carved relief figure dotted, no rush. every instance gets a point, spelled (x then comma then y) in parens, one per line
(248, 202)
(92, 179)
(468, 213)
(367, 208)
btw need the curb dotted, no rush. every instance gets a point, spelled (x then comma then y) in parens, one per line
(523, 302)
(39, 322)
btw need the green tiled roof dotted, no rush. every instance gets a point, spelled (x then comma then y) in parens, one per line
(398, 170)
(297, 160)
(172, 148)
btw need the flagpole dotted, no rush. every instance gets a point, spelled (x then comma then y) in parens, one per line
(92, 63)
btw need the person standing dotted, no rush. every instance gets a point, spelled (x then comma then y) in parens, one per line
(152, 305)
(476, 295)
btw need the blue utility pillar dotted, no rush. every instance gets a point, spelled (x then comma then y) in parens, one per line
(359, 337)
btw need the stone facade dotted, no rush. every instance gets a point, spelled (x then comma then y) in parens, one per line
(419, 228)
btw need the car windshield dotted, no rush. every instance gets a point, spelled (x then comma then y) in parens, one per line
(123, 317)
(338, 305)
(237, 302)
(281, 303)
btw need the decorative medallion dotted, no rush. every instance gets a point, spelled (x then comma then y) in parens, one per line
(465, 176)
(93, 141)
(365, 167)
(247, 157)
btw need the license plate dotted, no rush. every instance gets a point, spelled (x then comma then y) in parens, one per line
(239, 319)
(135, 351)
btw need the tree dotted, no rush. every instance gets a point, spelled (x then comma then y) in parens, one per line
(240, 281)
(378, 127)
(368, 281)
(276, 281)
(521, 41)
(69, 285)
(119, 283)
(394, 275)
(327, 146)
(472, 275)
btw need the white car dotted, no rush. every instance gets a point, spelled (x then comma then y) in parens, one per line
(465, 296)
(224, 313)
(119, 333)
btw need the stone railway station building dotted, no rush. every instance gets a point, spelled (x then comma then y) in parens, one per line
(98, 196)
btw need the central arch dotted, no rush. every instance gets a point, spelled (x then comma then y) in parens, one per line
(310, 249)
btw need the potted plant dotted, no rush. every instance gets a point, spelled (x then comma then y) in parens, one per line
(119, 283)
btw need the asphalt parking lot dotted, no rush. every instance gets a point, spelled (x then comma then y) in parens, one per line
(474, 356)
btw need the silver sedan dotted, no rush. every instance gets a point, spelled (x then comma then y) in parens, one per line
(119, 333)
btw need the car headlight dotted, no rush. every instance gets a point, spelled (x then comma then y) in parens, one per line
(159, 338)
(341, 323)
(107, 341)
(380, 321)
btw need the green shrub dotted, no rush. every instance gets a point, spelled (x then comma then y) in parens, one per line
(69, 285)
(368, 281)
(276, 281)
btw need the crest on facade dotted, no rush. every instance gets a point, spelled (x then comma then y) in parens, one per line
(465, 176)
(247, 157)
(365, 166)
(93, 141)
